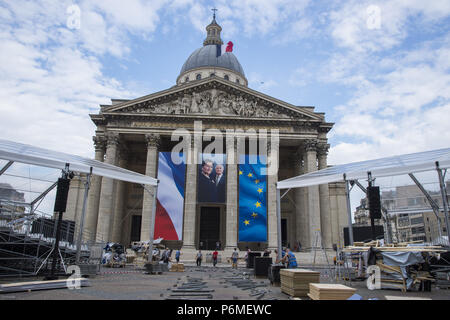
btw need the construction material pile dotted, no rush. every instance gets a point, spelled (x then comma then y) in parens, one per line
(193, 289)
(328, 291)
(295, 282)
(402, 265)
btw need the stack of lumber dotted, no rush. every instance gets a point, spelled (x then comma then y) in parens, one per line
(177, 267)
(326, 291)
(295, 282)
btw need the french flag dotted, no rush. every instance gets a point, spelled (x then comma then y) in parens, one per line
(170, 198)
(224, 48)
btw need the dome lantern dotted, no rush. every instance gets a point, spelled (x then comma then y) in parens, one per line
(213, 32)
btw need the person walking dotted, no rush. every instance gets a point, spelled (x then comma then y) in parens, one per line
(177, 255)
(234, 259)
(214, 257)
(199, 258)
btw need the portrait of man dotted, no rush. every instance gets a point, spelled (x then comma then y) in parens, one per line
(206, 185)
(212, 180)
(219, 181)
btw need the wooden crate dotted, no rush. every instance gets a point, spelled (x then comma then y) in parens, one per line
(177, 267)
(295, 282)
(326, 291)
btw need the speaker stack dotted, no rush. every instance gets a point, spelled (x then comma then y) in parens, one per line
(373, 194)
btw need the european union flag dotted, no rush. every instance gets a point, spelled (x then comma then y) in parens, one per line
(252, 200)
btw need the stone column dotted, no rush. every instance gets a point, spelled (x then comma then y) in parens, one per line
(302, 220)
(93, 201)
(273, 151)
(313, 201)
(106, 204)
(153, 141)
(325, 213)
(232, 195)
(190, 199)
(119, 212)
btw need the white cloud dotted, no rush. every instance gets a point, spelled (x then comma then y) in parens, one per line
(404, 110)
(351, 25)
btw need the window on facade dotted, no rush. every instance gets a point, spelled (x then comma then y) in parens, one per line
(212, 74)
(186, 79)
(403, 221)
(418, 230)
(418, 220)
(237, 80)
(226, 77)
(198, 76)
(414, 201)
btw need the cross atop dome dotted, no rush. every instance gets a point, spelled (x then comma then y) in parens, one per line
(213, 31)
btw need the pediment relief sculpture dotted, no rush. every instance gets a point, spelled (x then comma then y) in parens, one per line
(214, 102)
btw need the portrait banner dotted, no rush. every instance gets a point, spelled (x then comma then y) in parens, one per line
(212, 178)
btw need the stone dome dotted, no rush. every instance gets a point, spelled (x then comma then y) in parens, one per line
(206, 56)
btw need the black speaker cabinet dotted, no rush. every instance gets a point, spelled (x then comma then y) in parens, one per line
(251, 258)
(373, 193)
(262, 265)
(62, 192)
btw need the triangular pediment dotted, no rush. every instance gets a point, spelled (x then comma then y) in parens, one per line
(213, 97)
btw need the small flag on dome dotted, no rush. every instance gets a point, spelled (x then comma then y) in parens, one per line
(229, 47)
(224, 48)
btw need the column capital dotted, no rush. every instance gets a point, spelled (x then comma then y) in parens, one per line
(112, 139)
(310, 145)
(99, 143)
(322, 149)
(153, 140)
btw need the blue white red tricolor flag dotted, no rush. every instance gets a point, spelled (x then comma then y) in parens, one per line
(221, 49)
(170, 198)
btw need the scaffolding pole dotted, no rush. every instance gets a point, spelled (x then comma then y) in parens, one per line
(87, 185)
(433, 203)
(152, 222)
(444, 199)
(349, 210)
(279, 257)
(9, 164)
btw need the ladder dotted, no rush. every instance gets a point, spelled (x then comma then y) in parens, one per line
(318, 243)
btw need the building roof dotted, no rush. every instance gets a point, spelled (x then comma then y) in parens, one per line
(384, 167)
(206, 56)
(23, 153)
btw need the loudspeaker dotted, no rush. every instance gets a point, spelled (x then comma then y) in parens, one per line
(373, 193)
(62, 192)
(262, 265)
(251, 259)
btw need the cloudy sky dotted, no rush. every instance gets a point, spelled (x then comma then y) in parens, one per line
(380, 70)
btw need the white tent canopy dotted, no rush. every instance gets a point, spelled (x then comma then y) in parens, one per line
(384, 167)
(17, 152)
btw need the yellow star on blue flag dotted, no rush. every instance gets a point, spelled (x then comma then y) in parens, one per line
(252, 200)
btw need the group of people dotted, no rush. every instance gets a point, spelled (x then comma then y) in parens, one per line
(211, 182)
(287, 258)
(199, 258)
(166, 255)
